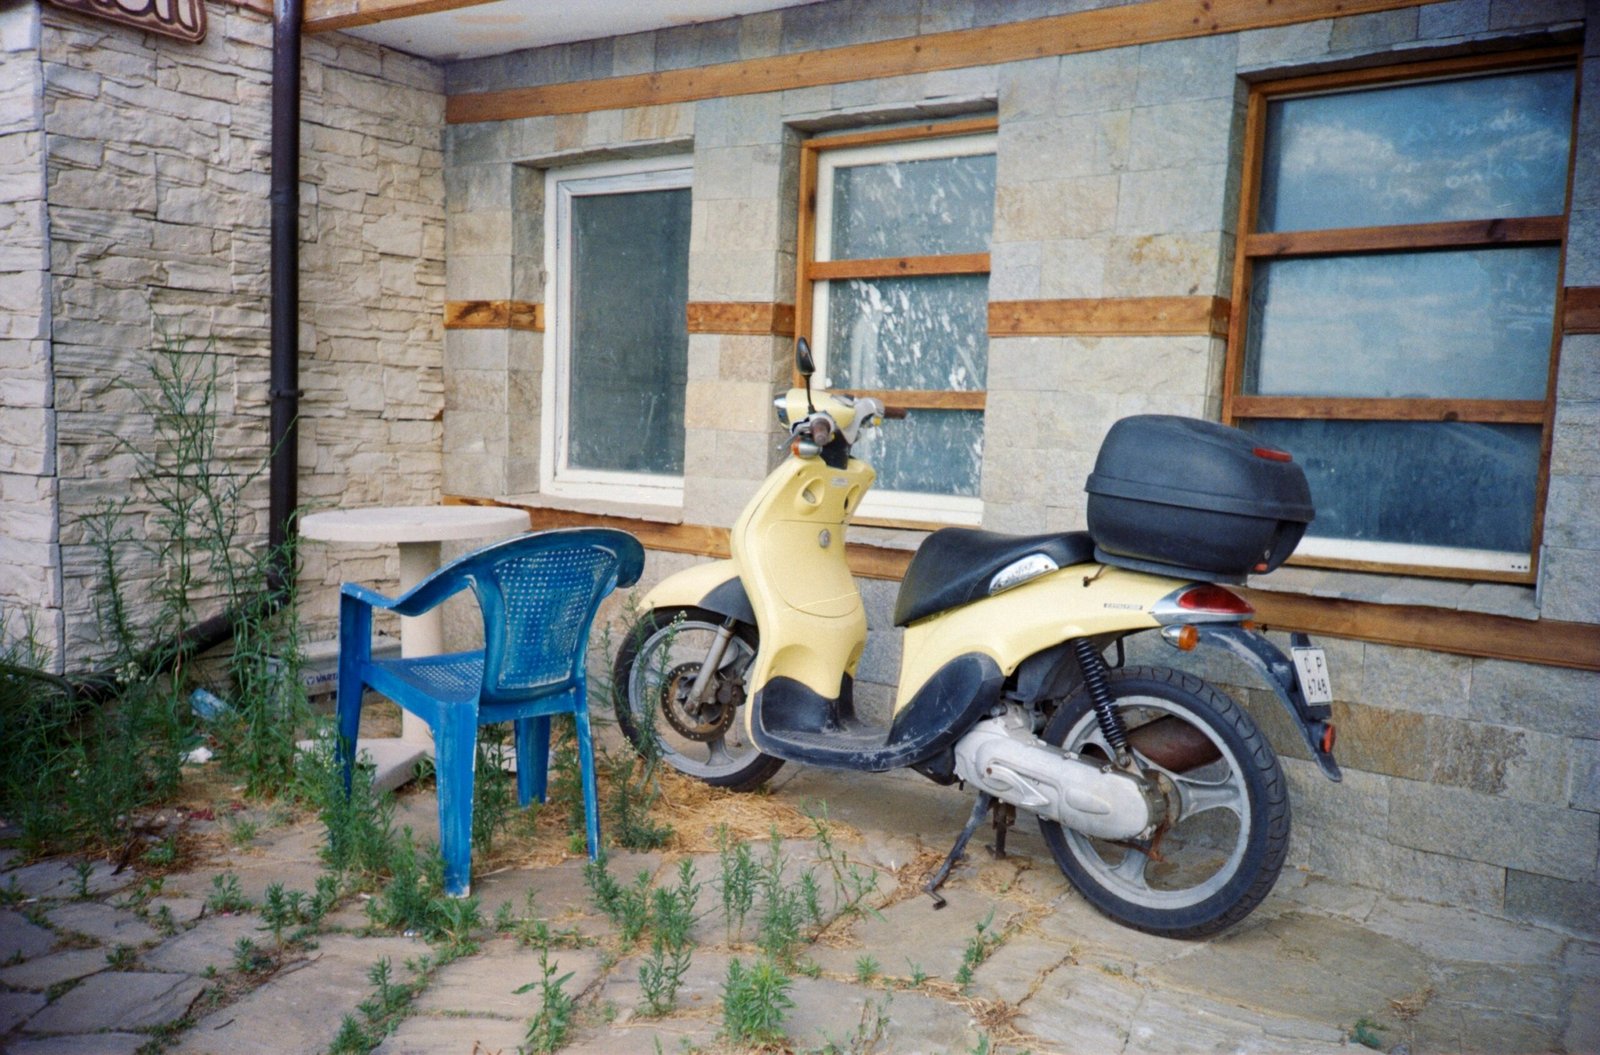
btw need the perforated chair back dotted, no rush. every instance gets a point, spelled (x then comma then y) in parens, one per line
(539, 595)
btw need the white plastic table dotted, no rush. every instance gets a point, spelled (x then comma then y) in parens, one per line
(418, 531)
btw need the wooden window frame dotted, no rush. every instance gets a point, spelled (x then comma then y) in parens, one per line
(938, 510)
(626, 176)
(1253, 246)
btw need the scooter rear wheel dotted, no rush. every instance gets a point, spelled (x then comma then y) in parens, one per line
(1207, 870)
(659, 659)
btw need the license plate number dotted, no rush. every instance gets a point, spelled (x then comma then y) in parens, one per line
(1311, 665)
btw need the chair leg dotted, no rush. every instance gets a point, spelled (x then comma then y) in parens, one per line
(591, 797)
(455, 751)
(533, 758)
(355, 650)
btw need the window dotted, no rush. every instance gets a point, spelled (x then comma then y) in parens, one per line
(616, 340)
(894, 296)
(1395, 299)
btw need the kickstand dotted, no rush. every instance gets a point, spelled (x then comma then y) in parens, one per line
(979, 808)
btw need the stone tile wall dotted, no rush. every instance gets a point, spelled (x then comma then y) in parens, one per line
(158, 173)
(1468, 781)
(30, 575)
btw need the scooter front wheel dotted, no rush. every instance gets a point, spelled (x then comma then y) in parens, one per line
(1220, 851)
(652, 684)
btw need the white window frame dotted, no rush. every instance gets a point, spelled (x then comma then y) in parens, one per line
(556, 477)
(883, 504)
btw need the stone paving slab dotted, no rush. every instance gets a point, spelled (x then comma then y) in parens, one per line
(17, 1008)
(210, 943)
(22, 939)
(830, 1012)
(300, 1009)
(82, 1044)
(699, 992)
(57, 967)
(673, 1035)
(104, 923)
(119, 1000)
(59, 879)
(485, 984)
(427, 1035)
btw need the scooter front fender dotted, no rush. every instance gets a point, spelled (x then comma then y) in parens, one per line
(714, 587)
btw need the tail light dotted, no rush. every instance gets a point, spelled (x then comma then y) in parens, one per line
(1202, 603)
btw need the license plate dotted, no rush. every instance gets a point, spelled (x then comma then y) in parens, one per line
(1311, 665)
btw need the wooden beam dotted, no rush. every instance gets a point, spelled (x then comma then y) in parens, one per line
(1582, 311)
(895, 267)
(323, 16)
(756, 318)
(942, 129)
(1493, 411)
(1542, 641)
(1109, 317)
(1114, 27)
(493, 315)
(1464, 234)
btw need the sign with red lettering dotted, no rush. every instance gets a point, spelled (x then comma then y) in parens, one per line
(184, 19)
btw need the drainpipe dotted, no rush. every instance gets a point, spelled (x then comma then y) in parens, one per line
(283, 478)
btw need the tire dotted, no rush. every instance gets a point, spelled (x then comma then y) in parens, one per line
(660, 656)
(1218, 862)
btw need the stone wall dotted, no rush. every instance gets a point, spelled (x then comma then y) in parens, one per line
(30, 579)
(1468, 781)
(158, 175)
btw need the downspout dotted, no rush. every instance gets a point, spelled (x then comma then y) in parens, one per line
(283, 475)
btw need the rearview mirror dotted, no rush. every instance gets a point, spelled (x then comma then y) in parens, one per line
(802, 358)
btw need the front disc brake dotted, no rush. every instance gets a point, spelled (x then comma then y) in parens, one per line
(697, 721)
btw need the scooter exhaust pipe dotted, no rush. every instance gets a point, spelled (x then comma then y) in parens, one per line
(1173, 744)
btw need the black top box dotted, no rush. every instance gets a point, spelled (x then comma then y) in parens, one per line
(1195, 499)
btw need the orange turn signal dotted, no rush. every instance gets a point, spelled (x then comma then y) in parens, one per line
(1186, 639)
(1329, 735)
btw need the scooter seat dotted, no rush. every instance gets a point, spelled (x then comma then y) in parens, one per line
(954, 566)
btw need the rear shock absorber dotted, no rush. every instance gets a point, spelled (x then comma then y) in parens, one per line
(1112, 728)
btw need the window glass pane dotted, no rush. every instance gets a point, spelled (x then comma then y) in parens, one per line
(1419, 153)
(932, 451)
(909, 333)
(1466, 324)
(913, 208)
(1454, 484)
(630, 342)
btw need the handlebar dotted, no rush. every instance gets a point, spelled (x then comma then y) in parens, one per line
(895, 413)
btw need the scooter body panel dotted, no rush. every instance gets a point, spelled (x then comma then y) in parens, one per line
(788, 547)
(701, 586)
(1081, 601)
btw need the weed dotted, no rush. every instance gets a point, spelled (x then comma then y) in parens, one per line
(225, 896)
(917, 976)
(738, 882)
(1365, 1032)
(505, 917)
(249, 958)
(121, 958)
(453, 921)
(870, 1031)
(163, 854)
(351, 1039)
(12, 894)
(83, 871)
(163, 921)
(548, 1029)
(983, 942)
(628, 907)
(493, 801)
(282, 910)
(243, 831)
(755, 1002)
(867, 969)
(671, 919)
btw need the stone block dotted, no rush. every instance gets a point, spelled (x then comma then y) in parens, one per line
(1181, 70)
(1546, 840)
(739, 120)
(1063, 147)
(747, 225)
(1579, 378)
(736, 275)
(119, 1000)
(1509, 14)
(1547, 699)
(1570, 584)
(1164, 265)
(1571, 906)
(1416, 681)
(1181, 133)
(1056, 209)
(1456, 18)
(1097, 81)
(1265, 48)
(1159, 201)
(475, 277)
(1583, 781)
(1369, 32)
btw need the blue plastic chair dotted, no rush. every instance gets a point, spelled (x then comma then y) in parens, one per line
(538, 594)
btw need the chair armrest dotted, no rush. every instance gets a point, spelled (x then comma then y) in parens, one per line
(371, 598)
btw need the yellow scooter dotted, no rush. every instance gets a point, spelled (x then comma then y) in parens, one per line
(1157, 795)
